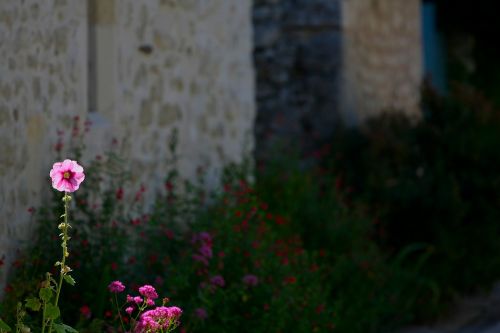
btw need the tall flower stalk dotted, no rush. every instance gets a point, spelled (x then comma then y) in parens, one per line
(64, 269)
(66, 177)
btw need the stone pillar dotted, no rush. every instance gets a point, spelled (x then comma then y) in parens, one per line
(297, 57)
(382, 58)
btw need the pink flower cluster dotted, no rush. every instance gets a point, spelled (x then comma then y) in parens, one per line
(148, 292)
(116, 287)
(160, 319)
(204, 241)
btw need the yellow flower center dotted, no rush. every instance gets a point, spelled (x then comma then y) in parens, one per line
(66, 175)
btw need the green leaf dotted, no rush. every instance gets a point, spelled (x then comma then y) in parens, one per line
(59, 328)
(4, 327)
(69, 279)
(45, 294)
(52, 311)
(33, 303)
(63, 328)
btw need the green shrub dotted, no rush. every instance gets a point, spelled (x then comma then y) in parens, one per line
(370, 290)
(435, 182)
(253, 276)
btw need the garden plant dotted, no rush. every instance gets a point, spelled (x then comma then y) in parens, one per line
(143, 315)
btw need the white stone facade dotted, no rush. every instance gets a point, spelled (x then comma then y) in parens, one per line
(161, 65)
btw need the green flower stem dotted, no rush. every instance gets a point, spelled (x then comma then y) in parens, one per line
(44, 321)
(119, 313)
(64, 270)
(64, 245)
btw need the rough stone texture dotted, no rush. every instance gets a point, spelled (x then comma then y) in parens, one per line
(321, 60)
(42, 85)
(185, 65)
(168, 64)
(382, 58)
(297, 57)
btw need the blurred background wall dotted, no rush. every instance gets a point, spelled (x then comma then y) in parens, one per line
(298, 64)
(319, 62)
(382, 58)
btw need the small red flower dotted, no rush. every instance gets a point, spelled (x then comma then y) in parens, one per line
(244, 224)
(280, 220)
(58, 146)
(169, 186)
(169, 234)
(119, 194)
(132, 260)
(85, 311)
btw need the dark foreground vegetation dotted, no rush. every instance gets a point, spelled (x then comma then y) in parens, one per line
(382, 226)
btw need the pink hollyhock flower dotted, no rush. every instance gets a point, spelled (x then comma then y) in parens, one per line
(67, 176)
(116, 287)
(250, 280)
(148, 291)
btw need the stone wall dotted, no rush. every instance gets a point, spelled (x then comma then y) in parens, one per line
(382, 58)
(321, 61)
(297, 58)
(42, 85)
(162, 65)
